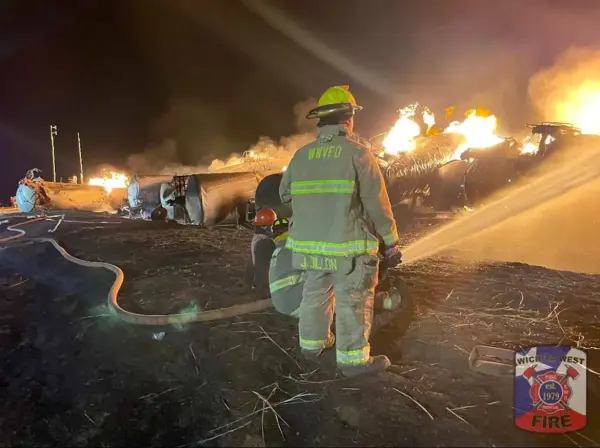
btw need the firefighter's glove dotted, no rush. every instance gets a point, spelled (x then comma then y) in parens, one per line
(393, 256)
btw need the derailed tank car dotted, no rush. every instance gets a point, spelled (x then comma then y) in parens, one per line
(143, 191)
(267, 196)
(34, 193)
(482, 172)
(213, 197)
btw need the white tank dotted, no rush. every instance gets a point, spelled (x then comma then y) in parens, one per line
(167, 193)
(25, 198)
(145, 190)
(133, 191)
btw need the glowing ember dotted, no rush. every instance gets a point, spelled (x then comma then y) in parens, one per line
(401, 138)
(479, 132)
(110, 180)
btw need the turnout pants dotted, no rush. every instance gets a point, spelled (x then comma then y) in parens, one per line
(351, 295)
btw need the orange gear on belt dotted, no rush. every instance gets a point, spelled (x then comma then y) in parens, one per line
(265, 217)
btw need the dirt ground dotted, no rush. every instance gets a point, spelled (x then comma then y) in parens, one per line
(74, 375)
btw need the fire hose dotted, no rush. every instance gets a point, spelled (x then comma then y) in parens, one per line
(113, 293)
(112, 299)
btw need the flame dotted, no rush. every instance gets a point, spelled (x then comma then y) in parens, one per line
(582, 108)
(110, 180)
(428, 119)
(532, 143)
(572, 96)
(401, 138)
(478, 128)
(252, 155)
(529, 147)
(479, 132)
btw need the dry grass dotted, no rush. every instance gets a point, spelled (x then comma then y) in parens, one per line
(233, 381)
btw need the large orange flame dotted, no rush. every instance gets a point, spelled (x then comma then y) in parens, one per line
(401, 138)
(479, 132)
(110, 180)
(478, 129)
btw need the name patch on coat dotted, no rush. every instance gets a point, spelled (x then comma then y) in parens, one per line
(318, 263)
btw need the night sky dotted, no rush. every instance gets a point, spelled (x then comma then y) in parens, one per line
(213, 76)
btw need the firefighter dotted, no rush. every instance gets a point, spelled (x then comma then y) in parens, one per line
(341, 212)
(261, 249)
(286, 283)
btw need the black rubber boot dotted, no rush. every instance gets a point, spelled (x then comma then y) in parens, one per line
(375, 365)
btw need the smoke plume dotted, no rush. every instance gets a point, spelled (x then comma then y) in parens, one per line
(183, 151)
(162, 159)
(280, 151)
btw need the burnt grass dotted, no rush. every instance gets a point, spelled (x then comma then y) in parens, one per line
(73, 374)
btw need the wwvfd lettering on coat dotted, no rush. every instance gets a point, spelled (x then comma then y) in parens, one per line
(550, 389)
(325, 152)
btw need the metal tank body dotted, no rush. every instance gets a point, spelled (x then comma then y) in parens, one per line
(145, 190)
(213, 197)
(267, 196)
(167, 197)
(479, 173)
(65, 196)
(446, 189)
(26, 197)
(493, 169)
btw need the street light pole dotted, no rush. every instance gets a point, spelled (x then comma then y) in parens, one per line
(53, 132)
(80, 160)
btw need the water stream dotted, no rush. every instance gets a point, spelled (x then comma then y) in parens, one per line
(581, 169)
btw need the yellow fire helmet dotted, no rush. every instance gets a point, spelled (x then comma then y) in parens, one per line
(336, 99)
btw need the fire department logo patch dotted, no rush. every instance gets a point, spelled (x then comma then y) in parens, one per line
(550, 389)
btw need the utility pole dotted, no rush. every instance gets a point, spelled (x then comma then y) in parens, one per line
(80, 160)
(53, 132)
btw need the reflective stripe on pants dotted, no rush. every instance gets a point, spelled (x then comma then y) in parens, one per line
(290, 280)
(353, 303)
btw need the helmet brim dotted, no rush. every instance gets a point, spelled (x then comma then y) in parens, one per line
(333, 109)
